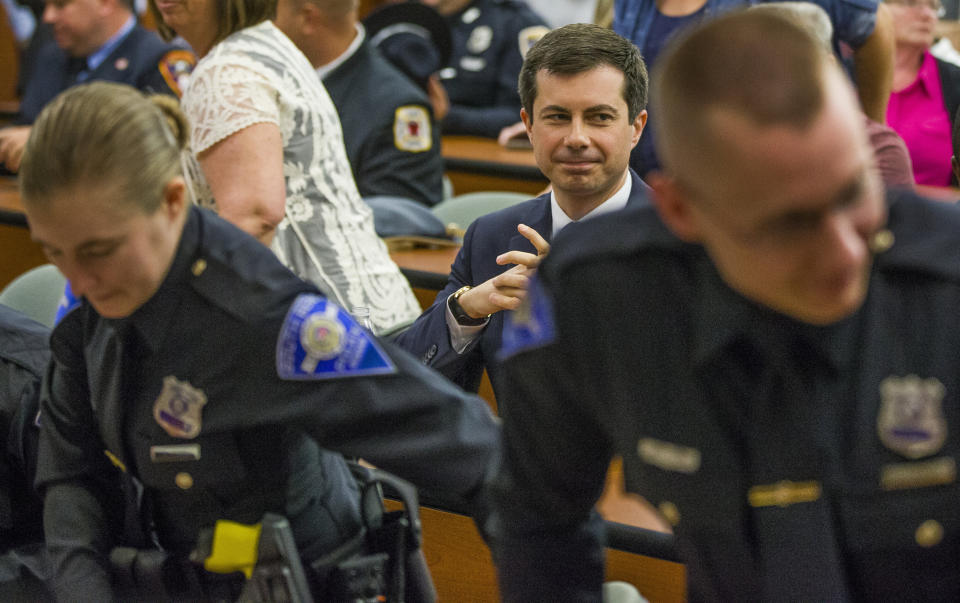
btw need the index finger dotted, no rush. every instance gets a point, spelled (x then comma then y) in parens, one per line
(543, 248)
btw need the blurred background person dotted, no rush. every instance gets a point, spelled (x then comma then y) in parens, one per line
(268, 141)
(889, 151)
(490, 39)
(392, 138)
(926, 91)
(86, 40)
(863, 27)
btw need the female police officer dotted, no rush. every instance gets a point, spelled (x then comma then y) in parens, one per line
(199, 379)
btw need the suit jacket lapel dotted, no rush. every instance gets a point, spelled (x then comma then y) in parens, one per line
(539, 219)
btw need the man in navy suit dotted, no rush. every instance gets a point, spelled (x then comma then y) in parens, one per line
(93, 40)
(584, 93)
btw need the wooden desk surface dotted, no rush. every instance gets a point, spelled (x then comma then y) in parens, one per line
(474, 163)
(11, 210)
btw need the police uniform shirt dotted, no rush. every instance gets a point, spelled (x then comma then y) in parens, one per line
(490, 39)
(192, 407)
(141, 59)
(794, 462)
(392, 140)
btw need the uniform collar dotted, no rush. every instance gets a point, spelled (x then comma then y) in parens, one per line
(153, 319)
(722, 317)
(325, 70)
(96, 58)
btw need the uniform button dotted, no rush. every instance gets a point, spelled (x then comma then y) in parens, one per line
(184, 480)
(881, 241)
(929, 534)
(430, 354)
(670, 512)
(198, 267)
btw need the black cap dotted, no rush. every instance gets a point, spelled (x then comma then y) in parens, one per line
(412, 36)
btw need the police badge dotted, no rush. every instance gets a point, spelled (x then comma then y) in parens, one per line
(911, 421)
(178, 408)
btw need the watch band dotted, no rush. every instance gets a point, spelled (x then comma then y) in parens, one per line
(459, 314)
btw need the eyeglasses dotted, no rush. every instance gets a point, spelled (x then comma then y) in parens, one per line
(935, 5)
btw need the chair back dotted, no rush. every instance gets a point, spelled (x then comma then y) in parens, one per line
(36, 293)
(460, 211)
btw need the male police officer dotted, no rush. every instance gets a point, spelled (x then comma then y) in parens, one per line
(392, 140)
(584, 90)
(93, 40)
(490, 39)
(771, 351)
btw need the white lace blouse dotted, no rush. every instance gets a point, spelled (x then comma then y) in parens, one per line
(327, 235)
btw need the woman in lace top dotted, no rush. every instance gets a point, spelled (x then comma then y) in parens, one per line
(271, 157)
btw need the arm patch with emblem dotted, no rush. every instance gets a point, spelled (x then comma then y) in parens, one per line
(319, 340)
(176, 67)
(411, 129)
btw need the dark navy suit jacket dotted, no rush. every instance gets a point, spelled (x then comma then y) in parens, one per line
(486, 238)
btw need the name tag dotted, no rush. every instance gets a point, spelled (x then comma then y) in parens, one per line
(906, 476)
(176, 453)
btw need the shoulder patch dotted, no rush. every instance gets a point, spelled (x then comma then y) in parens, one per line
(529, 36)
(532, 324)
(176, 67)
(319, 340)
(411, 129)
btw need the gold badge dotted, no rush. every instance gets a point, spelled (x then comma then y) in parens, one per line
(911, 421)
(411, 129)
(479, 39)
(530, 36)
(178, 409)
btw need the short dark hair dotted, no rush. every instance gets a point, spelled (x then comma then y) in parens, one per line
(581, 47)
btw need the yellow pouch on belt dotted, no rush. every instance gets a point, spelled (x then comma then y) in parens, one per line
(234, 548)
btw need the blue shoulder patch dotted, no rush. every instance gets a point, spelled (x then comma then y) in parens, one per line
(319, 340)
(67, 302)
(531, 325)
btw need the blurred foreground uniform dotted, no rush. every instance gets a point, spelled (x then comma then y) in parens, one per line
(490, 39)
(205, 404)
(796, 463)
(24, 355)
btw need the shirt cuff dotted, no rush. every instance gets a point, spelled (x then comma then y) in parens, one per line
(461, 336)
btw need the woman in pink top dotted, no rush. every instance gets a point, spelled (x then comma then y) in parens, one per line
(926, 92)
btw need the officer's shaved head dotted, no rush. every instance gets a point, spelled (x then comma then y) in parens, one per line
(753, 64)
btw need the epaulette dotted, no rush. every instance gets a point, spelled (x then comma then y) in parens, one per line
(925, 237)
(622, 233)
(243, 278)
